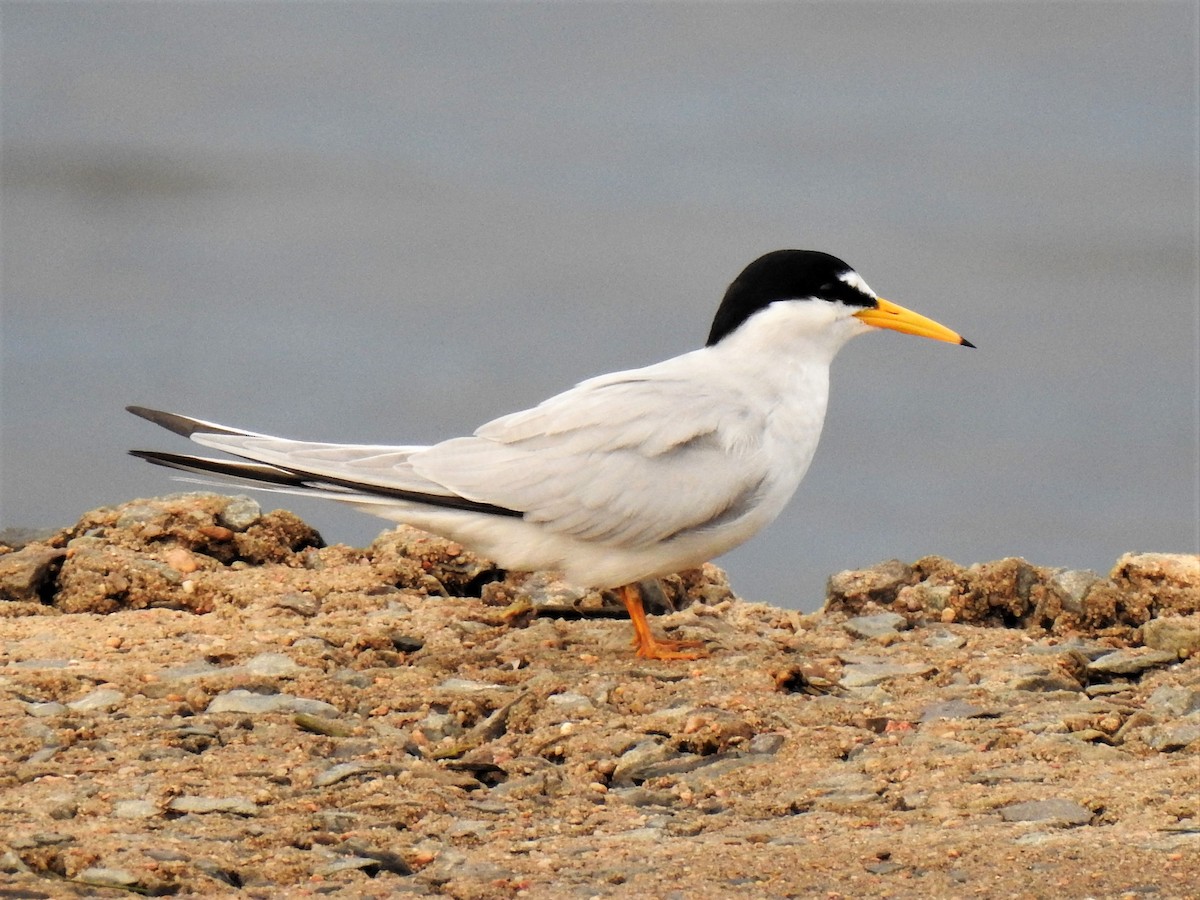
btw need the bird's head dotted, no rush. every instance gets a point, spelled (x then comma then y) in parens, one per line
(827, 295)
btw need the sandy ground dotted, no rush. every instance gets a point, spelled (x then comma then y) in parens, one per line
(198, 698)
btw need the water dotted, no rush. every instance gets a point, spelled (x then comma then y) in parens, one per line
(382, 222)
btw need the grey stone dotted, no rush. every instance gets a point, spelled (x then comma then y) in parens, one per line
(942, 639)
(45, 710)
(461, 828)
(1073, 586)
(1173, 634)
(271, 665)
(634, 761)
(98, 700)
(241, 701)
(187, 671)
(238, 806)
(877, 625)
(347, 863)
(572, 704)
(466, 686)
(765, 744)
(27, 573)
(240, 513)
(102, 876)
(1056, 810)
(869, 674)
(1045, 683)
(1174, 736)
(135, 809)
(343, 771)
(1131, 662)
(956, 709)
(1174, 701)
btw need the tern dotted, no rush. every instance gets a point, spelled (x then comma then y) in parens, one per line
(625, 477)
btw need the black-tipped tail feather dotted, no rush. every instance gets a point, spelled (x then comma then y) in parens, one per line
(297, 480)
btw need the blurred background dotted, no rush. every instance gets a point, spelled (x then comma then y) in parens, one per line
(391, 222)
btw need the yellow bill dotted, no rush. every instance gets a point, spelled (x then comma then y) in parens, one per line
(890, 315)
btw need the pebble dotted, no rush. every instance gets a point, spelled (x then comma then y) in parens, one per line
(944, 639)
(344, 771)
(571, 704)
(1174, 736)
(271, 665)
(1073, 586)
(45, 710)
(876, 626)
(870, 674)
(1131, 662)
(1174, 701)
(467, 686)
(238, 806)
(1056, 810)
(240, 513)
(242, 701)
(98, 700)
(1175, 634)
(106, 877)
(134, 809)
(1045, 683)
(321, 725)
(25, 573)
(956, 709)
(348, 863)
(187, 671)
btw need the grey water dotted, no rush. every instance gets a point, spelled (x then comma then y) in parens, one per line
(392, 222)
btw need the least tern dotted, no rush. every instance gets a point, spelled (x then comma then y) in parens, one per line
(624, 477)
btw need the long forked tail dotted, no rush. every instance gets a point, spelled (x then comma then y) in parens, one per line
(367, 475)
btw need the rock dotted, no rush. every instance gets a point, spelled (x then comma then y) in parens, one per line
(271, 665)
(98, 700)
(106, 877)
(1176, 702)
(1174, 634)
(240, 513)
(135, 809)
(238, 806)
(1045, 682)
(875, 626)
(1175, 735)
(467, 686)
(1072, 586)
(1163, 582)
(956, 709)
(850, 591)
(28, 574)
(571, 704)
(1057, 811)
(343, 771)
(321, 725)
(1130, 662)
(941, 639)
(242, 701)
(187, 671)
(45, 710)
(869, 674)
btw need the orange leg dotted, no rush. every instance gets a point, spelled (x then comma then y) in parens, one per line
(648, 646)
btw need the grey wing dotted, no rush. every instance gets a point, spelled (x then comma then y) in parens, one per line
(630, 459)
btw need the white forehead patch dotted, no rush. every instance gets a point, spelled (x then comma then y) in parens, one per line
(855, 281)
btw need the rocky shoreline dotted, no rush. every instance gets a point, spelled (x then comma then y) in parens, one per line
(199, 698)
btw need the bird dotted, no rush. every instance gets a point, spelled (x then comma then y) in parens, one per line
(625, 477)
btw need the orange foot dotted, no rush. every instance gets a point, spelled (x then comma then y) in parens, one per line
(648, 646)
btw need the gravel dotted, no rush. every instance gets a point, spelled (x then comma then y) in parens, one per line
(200, 699)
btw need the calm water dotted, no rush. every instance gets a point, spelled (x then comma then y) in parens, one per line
(393, 222)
